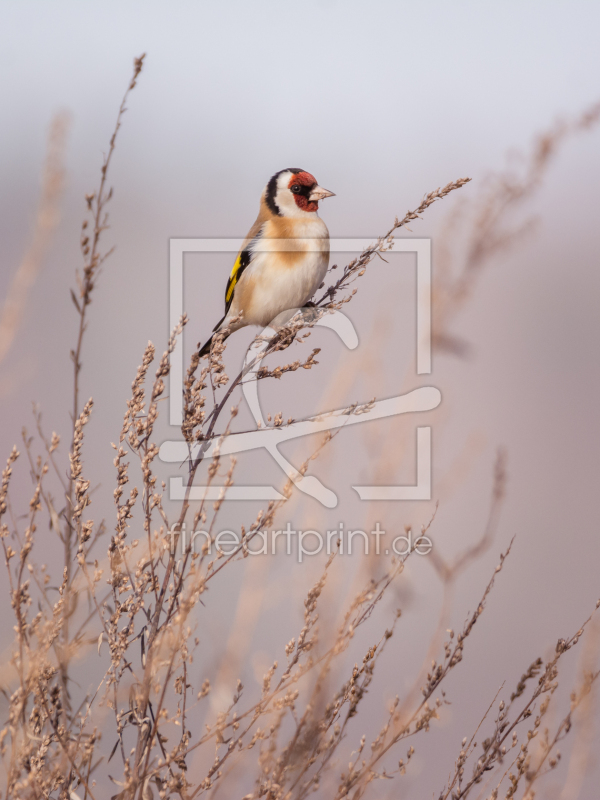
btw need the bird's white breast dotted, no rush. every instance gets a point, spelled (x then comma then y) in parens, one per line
(285, 272)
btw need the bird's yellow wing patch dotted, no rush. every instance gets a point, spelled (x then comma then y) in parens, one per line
(233, 279)
(240, 265)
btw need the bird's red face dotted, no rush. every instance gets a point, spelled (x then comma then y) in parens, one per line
(293, 192)
(301, 186)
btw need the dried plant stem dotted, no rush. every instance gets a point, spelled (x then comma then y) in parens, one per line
(93, 259)
(46, 220)
(384, 243)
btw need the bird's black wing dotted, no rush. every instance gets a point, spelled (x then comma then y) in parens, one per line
(240, 265)
(242, 261)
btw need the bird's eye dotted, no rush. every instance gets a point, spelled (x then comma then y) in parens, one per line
(295, 188)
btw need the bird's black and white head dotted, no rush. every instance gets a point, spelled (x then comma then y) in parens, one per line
(294, 193)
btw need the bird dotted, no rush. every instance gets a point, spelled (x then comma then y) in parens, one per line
(284, 257)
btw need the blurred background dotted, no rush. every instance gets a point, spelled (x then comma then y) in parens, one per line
(382, 102)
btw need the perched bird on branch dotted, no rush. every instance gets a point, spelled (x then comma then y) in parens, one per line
(284, 257)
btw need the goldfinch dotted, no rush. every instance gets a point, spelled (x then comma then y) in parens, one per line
(284, 257)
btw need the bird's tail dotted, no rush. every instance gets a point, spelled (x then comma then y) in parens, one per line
(205, 349)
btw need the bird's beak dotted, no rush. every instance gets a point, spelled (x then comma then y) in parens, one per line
(318, 193)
